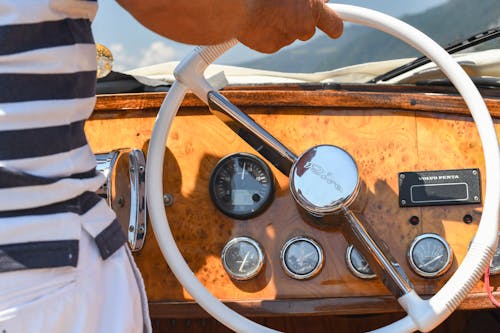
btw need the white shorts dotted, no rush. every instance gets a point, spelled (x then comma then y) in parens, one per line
(97, 296)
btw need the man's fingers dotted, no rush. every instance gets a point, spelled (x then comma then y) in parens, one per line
(308, 34)
(330, 22)
(277, 23)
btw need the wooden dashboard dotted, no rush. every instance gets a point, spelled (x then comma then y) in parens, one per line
(387, 130)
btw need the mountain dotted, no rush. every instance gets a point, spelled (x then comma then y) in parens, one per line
(446, 23)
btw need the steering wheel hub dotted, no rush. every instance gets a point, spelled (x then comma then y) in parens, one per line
(324, 180)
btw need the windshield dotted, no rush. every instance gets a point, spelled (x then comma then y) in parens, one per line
(443, 20)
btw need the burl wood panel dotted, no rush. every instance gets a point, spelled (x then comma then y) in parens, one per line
(384, 140)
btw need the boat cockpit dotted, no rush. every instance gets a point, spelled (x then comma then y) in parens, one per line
(345, 200)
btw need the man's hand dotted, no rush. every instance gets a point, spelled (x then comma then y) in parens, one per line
(271, 25)
(263, 25)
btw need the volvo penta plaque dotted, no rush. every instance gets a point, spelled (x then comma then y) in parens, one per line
(439, 188)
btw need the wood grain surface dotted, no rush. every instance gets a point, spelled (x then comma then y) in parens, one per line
(385, 132)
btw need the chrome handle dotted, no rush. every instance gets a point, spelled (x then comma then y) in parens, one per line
(138, 216)
(125, 192)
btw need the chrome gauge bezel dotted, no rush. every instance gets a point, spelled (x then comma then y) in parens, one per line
(318, 266)
(252, 210)
(416, 269)
(352, 268)
(260, 259)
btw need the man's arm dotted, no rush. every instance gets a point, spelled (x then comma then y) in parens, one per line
(263, 25)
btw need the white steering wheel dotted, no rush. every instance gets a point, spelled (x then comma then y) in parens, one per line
(423, 315)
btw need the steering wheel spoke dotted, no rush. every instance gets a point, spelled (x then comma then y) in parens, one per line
(256, 136)
(377, 254)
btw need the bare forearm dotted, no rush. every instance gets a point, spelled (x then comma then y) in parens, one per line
(202, 22)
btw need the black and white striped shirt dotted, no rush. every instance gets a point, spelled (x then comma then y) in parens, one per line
(47, 169)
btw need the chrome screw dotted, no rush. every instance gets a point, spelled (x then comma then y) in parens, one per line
(168, 199)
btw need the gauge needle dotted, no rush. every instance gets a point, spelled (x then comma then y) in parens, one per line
(243, 172)
(243, 262)
(430, 261)
(307, 255)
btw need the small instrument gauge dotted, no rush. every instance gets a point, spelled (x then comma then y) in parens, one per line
(357, 264)
(242, 258)
(241, 185)
(301, 258)
(430, 255)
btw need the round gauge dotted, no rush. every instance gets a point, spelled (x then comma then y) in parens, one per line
(301, 258)
(241, 185)
(357, 264)
(242, 258)
(430, 255)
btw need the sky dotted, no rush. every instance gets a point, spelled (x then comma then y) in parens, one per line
(134, 46)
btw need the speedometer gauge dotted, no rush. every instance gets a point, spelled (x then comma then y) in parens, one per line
(241, 185)
(430, 255)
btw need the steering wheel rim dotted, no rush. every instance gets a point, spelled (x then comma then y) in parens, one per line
(422, 315)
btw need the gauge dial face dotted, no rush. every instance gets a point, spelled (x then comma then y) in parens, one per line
(241, 185)
(242, 258)
(357, 264)
(301, 258)
(430, 255)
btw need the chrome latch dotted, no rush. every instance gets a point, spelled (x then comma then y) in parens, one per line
(124, 190)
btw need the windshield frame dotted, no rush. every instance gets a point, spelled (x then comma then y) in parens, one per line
(452, 48)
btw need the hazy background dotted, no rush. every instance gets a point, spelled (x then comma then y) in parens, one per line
(134, 46)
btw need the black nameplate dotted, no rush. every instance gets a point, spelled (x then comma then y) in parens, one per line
(439, 188)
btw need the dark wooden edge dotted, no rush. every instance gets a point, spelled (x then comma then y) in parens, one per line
(147, 104)
(305, 307)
